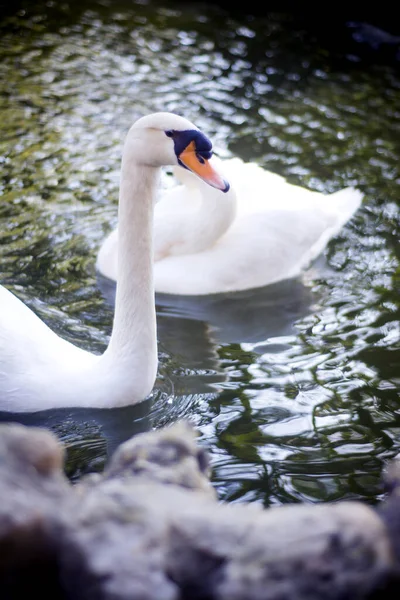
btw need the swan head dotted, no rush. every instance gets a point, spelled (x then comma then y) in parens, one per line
(166, 139)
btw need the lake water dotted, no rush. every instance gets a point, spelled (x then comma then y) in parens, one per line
(293, 388)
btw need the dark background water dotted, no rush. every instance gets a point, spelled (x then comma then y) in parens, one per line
(293, 388)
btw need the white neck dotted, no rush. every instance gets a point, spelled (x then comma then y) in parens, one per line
(132, 351)
(202, 215)
(215, 215)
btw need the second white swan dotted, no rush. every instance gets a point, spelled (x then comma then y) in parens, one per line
(263, 231)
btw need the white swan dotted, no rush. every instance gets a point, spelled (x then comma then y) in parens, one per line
(265, 230)
(38, 369)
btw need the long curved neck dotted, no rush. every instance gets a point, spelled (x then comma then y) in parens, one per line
(215, 214)
(132, 349)
(207, 214)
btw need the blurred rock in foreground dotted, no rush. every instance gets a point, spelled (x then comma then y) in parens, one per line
(150, 527)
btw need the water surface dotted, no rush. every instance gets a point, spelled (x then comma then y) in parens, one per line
(293, 388)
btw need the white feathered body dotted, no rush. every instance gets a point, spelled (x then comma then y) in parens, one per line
(265, 231)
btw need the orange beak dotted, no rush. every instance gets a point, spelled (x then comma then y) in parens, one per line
(202, 168)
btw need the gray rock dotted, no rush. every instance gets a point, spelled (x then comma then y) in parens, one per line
(150, 527)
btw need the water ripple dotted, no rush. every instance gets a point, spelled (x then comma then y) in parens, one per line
(294, 404)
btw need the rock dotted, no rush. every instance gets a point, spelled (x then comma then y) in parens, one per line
(171, 456)
(150, 527)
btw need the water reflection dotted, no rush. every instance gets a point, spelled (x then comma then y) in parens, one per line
(90, 435)
(294, 389)
(237, 317)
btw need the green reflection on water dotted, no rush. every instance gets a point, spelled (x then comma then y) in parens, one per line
(294, 390)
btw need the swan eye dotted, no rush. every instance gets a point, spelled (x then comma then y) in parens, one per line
(169, 133)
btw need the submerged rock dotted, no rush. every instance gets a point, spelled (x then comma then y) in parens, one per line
(150, 527)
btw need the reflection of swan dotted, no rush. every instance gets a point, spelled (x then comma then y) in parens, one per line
(251, 316)
(266, 230)
(92, 434)
(40, 370)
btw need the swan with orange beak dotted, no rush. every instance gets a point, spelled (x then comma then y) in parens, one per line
(40, 370)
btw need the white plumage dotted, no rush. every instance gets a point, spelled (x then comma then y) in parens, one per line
(263, 230)
(38, 369)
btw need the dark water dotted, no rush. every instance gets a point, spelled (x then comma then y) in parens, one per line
(293, 388)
